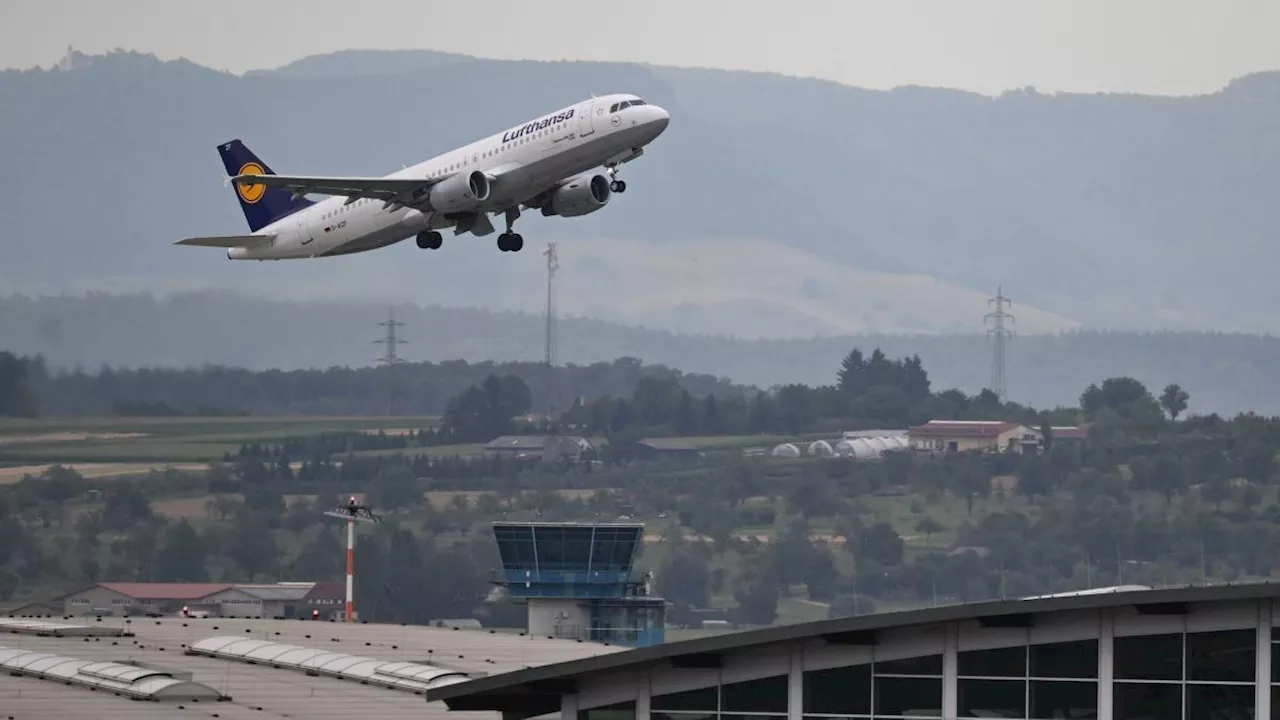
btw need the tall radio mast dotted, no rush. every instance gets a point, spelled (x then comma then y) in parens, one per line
(553, 264)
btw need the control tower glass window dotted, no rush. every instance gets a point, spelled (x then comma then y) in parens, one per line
(567, 548)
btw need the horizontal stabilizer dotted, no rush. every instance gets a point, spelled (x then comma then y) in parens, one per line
(228, 241)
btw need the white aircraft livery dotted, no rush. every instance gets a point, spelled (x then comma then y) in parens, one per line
(552, 164)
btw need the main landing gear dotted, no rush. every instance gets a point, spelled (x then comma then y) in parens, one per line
(511, 241)
(431, 240)
(615, 185)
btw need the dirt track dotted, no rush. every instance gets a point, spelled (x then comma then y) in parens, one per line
(67, 437)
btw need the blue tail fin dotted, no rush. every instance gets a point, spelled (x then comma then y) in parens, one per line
(261, 205)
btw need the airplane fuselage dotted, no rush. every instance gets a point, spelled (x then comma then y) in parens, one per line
(522, 165)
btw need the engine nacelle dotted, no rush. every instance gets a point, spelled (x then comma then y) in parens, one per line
(581, 195)
(460, 193)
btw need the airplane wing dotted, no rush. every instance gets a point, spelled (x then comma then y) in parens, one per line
(228, 241)
(354, 188)
(402, 191)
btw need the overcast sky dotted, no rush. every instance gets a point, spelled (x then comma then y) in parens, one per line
(1168, 47)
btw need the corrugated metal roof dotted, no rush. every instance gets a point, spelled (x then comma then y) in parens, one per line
(517, 442)
(667, 444)
(274, 592)
(532, 442)
(165, 591)
(327, 591)
(262, 691)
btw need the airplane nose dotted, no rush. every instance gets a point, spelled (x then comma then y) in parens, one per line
(661, 117)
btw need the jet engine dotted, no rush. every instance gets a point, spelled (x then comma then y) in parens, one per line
(462, 192)
(580, 195)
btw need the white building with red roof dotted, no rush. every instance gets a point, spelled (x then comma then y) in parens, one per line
(973, 435)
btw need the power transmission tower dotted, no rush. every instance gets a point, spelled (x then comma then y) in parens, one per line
(999, 334)
(389, 357)
(553, 264)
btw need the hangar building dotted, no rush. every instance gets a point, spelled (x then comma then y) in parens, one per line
(1167, 654)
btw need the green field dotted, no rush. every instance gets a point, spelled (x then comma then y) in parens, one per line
(160, 441)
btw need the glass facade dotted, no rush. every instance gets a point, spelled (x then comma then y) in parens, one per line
(567, 548)
(637, 621)
(1208, 675)
(1189, 676)
(563, 560)
(907, 688)
(1050, 680)
(749, 700)
(1275, 676)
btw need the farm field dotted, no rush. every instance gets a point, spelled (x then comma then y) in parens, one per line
(114, 446)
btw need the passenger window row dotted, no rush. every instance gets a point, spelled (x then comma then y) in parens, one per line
(465, 162)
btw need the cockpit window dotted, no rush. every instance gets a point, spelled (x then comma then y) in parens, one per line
(625, 104)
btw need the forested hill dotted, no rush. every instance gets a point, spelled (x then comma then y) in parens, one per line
(1224, 373)
(773, 206)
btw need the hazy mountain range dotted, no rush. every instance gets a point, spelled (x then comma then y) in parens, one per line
(772, 207)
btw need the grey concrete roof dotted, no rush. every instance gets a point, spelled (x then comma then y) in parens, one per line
(668, 444)
(279, 693)
(274, 592)
(540, 687)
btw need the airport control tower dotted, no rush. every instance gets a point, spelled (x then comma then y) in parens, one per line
(576, 579)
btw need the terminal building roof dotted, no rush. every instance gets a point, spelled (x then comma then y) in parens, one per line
(539, 690)
(248, 668)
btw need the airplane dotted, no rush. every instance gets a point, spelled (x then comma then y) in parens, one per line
(551, 164)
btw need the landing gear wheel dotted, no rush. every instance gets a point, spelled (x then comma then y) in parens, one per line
(618, 186)
(510, 242)
(430, 240)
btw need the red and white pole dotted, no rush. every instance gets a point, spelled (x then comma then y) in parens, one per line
(351, 568)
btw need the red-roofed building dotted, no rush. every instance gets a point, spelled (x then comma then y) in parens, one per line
(1069, 433)
(973, 435)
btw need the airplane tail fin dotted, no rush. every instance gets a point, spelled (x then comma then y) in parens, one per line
(261, 205)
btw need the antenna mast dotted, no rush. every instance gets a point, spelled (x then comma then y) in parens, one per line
(999, 334)
(553, 264)
(389, 357)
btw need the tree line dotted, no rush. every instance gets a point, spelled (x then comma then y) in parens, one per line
(27, 386)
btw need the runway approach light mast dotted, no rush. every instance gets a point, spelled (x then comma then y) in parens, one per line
(353, 513)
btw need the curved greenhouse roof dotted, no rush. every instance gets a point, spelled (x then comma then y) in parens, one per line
(127, 680)
(402, 675)
(820, 448)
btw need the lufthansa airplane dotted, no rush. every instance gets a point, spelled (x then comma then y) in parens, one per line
(552, 164)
